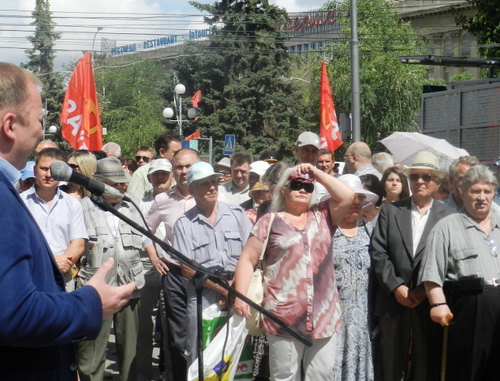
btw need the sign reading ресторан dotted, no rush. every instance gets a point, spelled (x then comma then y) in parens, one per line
(160, 42)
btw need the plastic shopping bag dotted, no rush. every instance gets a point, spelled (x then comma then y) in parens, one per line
(214, 367)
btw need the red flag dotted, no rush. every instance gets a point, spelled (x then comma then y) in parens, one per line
(80, 120)
(196, 99)
(194, 136)
(328, 124)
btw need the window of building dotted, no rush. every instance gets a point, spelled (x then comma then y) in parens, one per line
(466, 41)
(448, 46)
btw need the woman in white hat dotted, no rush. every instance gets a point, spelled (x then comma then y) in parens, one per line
(351, 240)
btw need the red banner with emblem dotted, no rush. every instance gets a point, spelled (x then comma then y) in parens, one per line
(329, 131)
(80, 120)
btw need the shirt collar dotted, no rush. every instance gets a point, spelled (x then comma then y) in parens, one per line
(11, 172)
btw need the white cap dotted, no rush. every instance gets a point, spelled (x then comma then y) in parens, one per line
(200, 171)
(259, 167)
(308, 139)
(160, 165)
(224, 162)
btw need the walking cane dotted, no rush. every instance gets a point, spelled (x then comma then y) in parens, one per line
(449, 318)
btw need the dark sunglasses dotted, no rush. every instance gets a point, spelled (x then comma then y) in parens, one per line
(297, 185)
(144, 158)
(426, 177)
(74, 166)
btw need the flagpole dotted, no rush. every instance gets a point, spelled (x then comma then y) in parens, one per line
(355, 102)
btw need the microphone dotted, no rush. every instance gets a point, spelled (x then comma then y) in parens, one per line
(60, 171)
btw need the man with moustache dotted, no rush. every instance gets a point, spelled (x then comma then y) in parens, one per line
(111, 237)
(213, 234)
(461, 274)
(397, 246)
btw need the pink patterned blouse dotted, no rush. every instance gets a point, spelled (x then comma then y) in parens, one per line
(299, 282)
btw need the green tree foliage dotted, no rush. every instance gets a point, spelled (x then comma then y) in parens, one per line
(243, 73)
(41, 61)
(130, 104)
(485, 25)
(390, 92)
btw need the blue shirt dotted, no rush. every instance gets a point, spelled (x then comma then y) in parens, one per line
(11, 172)
(217, 245)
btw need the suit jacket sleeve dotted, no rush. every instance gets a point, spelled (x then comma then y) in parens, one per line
(35, 311)
(382, 264)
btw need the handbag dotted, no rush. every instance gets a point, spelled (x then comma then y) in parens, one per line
(256, 290)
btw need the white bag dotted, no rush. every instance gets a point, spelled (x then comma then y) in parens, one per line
(213, 367)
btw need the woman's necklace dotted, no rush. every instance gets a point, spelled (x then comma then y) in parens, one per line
(349, 235)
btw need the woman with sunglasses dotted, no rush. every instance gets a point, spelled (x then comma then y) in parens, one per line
(299, 281)
(84, 162)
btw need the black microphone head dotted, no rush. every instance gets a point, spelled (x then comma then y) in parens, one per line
(60, 171)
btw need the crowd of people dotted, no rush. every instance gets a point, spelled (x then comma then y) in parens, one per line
(370, 263)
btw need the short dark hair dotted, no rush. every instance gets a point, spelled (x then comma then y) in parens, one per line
(324, 151)
(163, 140)
(239, 158)
(52, 153)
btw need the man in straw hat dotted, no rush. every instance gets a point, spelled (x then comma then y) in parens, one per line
(111, 237)
(462, 258)
(397, 247)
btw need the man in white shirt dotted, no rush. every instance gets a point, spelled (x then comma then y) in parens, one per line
(397, 246)
(59, 215)
(237, 190)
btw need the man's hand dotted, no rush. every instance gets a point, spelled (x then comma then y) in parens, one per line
(401, 293)
(112, 298)
(160, 266)
(417, 296)
(64, 263)
(441, 314)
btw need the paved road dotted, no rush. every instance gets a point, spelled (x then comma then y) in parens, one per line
(112, 366)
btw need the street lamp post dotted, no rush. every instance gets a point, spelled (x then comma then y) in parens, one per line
(99, 28)
(169, 113)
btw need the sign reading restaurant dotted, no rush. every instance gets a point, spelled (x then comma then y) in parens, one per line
(160, 42)
(303, 23)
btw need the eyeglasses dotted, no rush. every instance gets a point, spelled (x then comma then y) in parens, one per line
(297, 185)
(144, 158)
(426, 177)
(74, 166)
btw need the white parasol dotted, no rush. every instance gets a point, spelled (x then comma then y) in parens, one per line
(404, 146)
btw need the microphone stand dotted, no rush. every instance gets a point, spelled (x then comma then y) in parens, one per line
(202, 275)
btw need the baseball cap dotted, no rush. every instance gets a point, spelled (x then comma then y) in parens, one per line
(259, 167)
(161, 164)
(308, 139)
(28, 171)
(200, 171)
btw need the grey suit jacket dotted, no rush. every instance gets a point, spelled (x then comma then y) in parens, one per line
(393, 262)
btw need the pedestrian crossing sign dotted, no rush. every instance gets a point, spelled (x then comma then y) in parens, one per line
(229, 143)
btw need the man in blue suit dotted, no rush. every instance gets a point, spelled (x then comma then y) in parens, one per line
(39, 321)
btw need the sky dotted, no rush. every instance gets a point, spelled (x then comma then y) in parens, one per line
(126, 21)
